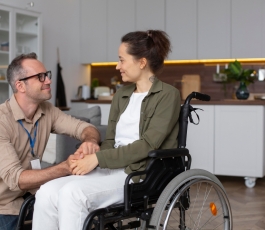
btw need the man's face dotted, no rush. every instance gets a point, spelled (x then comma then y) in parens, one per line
(34, 89)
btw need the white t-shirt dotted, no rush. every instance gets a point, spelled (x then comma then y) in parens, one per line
(127, 129)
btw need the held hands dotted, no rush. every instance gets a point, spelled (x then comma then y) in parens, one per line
(88, 147)
(85, 165)
(80, 163)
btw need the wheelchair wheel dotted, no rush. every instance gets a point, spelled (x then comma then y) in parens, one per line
(195, 199)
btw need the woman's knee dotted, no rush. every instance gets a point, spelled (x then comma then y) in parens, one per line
(46, 195)
(72, 194)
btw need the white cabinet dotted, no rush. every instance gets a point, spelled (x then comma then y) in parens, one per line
(120, 21)
(201, 29)
(102, 25)
(239, 141)
(214, 29)
(93, 31)
(181, 26)
(20, 32)
(200, 138)
(247, 32)
(150, 14)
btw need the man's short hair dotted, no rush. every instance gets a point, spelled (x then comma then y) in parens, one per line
(15, 70)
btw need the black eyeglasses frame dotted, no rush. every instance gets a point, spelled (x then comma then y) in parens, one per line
(47, 74)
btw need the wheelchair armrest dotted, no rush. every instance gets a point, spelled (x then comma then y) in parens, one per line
(165, 153)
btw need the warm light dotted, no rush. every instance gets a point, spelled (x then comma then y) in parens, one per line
(104, 63)
(202, 61)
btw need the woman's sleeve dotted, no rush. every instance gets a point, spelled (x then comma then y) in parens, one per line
(162, 120)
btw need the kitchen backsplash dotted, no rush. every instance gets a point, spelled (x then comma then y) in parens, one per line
(172, 74)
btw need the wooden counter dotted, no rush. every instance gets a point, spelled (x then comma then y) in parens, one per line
(194, 102)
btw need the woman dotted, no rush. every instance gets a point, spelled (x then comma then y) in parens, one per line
(143, 116)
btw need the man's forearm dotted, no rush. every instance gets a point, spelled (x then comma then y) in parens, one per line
(31, 179)
(90, 134)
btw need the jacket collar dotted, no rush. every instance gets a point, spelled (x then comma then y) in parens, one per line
(157, 86)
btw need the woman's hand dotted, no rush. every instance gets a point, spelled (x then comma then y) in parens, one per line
(85, 165)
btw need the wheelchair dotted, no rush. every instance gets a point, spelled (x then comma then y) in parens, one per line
(172, 196)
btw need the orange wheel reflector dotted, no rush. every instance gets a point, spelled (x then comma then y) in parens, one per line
(213, 209)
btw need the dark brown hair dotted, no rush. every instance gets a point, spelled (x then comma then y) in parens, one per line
(154, 45)
(15, 70)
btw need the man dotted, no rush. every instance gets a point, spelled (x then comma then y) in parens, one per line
(26, 121)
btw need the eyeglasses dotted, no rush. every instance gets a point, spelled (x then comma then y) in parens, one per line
(41, 76)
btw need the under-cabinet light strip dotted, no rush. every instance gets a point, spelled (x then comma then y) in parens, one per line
(202, 61)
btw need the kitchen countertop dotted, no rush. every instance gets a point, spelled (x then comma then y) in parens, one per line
(195, 102)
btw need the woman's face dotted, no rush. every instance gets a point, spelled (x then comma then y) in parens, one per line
(129, 67)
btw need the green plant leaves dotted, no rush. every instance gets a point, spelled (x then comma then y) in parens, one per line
(235, 72)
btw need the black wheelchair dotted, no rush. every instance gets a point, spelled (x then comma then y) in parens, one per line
(172, 196)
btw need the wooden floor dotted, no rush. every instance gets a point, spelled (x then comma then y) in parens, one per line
(248, 204)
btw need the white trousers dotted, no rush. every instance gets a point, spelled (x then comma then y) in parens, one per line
(64, 203)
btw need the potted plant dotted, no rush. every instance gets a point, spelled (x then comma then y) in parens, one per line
(235, 73)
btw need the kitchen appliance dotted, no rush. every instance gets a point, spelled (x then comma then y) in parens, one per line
(190, 83)
(83, 92)
(101, 90)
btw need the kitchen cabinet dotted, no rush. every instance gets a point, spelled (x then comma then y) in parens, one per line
(120, 21)
(93, 31)
(202, 29)
(213, 29)
(156, 16)
(239, 141)
(102, 25)
(247, 32)
(181, 26)
(20, 32)
(200, 138)
(229, 141)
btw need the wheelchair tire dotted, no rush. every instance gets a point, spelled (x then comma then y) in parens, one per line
(195, 199)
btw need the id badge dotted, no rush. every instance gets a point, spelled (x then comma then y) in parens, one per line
(35, 163)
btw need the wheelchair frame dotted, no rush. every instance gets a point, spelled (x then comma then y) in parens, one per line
(167, 185)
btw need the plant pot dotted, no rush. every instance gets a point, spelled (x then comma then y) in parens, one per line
(242, 92)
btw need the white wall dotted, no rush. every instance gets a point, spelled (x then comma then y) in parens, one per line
(60, 29)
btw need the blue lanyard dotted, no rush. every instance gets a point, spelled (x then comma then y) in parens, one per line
(31, 141)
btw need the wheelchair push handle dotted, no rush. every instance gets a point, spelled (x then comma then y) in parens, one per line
(185, 113)
(199, 96)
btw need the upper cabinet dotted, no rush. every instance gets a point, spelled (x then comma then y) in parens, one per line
(181, 26)
(150, 14)
(200, 29)
(101, 27)
(93, 31)
(247, 32)
(120, 20)
(20, 32)
(213, 29)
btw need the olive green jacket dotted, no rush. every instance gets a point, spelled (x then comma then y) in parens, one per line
(158, 127)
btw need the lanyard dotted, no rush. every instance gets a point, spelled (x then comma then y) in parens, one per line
(31, 141)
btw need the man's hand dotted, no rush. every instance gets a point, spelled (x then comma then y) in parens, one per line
(86, 148)
(85, 165)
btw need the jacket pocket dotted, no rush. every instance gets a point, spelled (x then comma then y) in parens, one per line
(149, 113)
